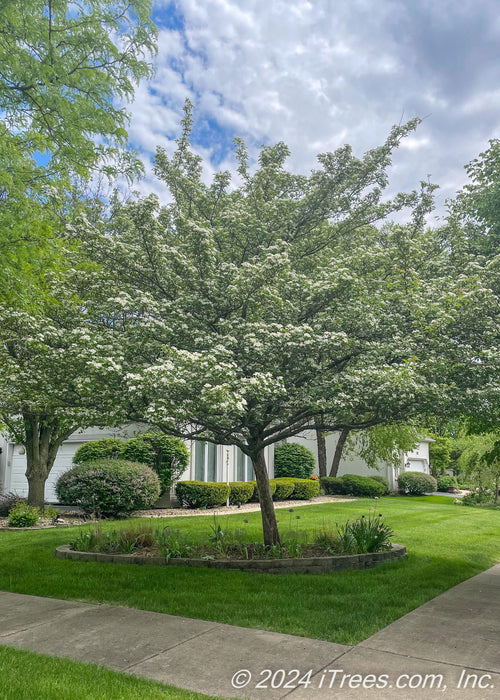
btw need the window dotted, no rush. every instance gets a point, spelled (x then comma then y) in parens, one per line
(205, 461)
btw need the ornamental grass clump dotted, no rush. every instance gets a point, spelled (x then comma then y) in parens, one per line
(109, 487)
(362, 536)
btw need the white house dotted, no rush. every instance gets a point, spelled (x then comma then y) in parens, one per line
(417, 460)
(208, 462)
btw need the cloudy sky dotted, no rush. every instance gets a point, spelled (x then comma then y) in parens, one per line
(320, 73)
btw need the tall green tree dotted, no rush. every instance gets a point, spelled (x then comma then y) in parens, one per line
(65, 70)
(259, 307)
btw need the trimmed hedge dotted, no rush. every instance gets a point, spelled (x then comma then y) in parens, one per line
(240, 492)
(293, 460)
(332, 485)
(108, 487)
(305, 489)
(363, 486)
(255, 497)
(416, 483)
(354, 485)
(106, 448)
(382, 480)
(284, 488)
(202, 494)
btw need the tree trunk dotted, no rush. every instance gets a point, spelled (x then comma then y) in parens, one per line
(269, 524)
(43, 437)
(496, 489)
(338, 451)
(321, 444)
(36, 488)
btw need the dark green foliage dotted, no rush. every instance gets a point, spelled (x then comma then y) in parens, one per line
(305, 489)
(363, 486)
(106, 448)
(165, 455)
(293, 460)
(332, 485)
(202, 494)
(23, 515)
(444, 482)
(8, 501)
(241, 492)
(255, 497)
(382, 480)
(416, 483)
(109, 487)
(284, 488)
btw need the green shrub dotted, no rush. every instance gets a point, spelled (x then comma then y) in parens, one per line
(305, 489)
(365, 535)
(202, 494)
(363, 486)
(382, 480)
(444, 482)
(284, 488)
(241, 492)
(255, 497)
(332, 485)
(23, 515)
(108, 487)
(107, 448)
(8, 501)
(416, 483)
(167, 456)
(293, 460)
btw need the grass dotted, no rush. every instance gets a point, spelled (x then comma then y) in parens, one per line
(61, 679)
(446, 545)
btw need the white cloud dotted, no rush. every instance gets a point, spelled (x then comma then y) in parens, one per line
(319, 74)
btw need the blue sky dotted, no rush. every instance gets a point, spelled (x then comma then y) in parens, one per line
(320, 73)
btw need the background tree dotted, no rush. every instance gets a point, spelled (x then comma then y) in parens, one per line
(255, 308)
(480, 462)
(64, 69)
(58, 372)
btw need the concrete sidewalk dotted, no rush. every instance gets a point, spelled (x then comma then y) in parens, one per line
(448, 648)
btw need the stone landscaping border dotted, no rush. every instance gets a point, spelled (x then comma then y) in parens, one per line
(313, 565)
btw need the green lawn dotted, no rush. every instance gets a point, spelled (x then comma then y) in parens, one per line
(446, 545)
(61, 679)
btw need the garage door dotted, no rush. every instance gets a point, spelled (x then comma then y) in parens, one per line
(18, 482)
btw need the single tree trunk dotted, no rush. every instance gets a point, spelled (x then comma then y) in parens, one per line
(338, 451)
(496, 489)
(36, 489)
(269, 523)
(321, 444)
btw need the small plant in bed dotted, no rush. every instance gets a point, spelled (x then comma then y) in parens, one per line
(367, 534)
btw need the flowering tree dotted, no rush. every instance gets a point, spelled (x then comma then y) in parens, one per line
(259, 308)
(58, 373)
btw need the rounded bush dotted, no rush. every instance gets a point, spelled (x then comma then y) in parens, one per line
(167, 456)
(23, 515)
(293, 460)
(284, 488)
(382, 480)
(107, 448)
(202, 494)
(108, 487)
(363, 486)
(305, 489)
(255, 497)
(332, 485)
(416, 483)
(444, 482)
(241, 492)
